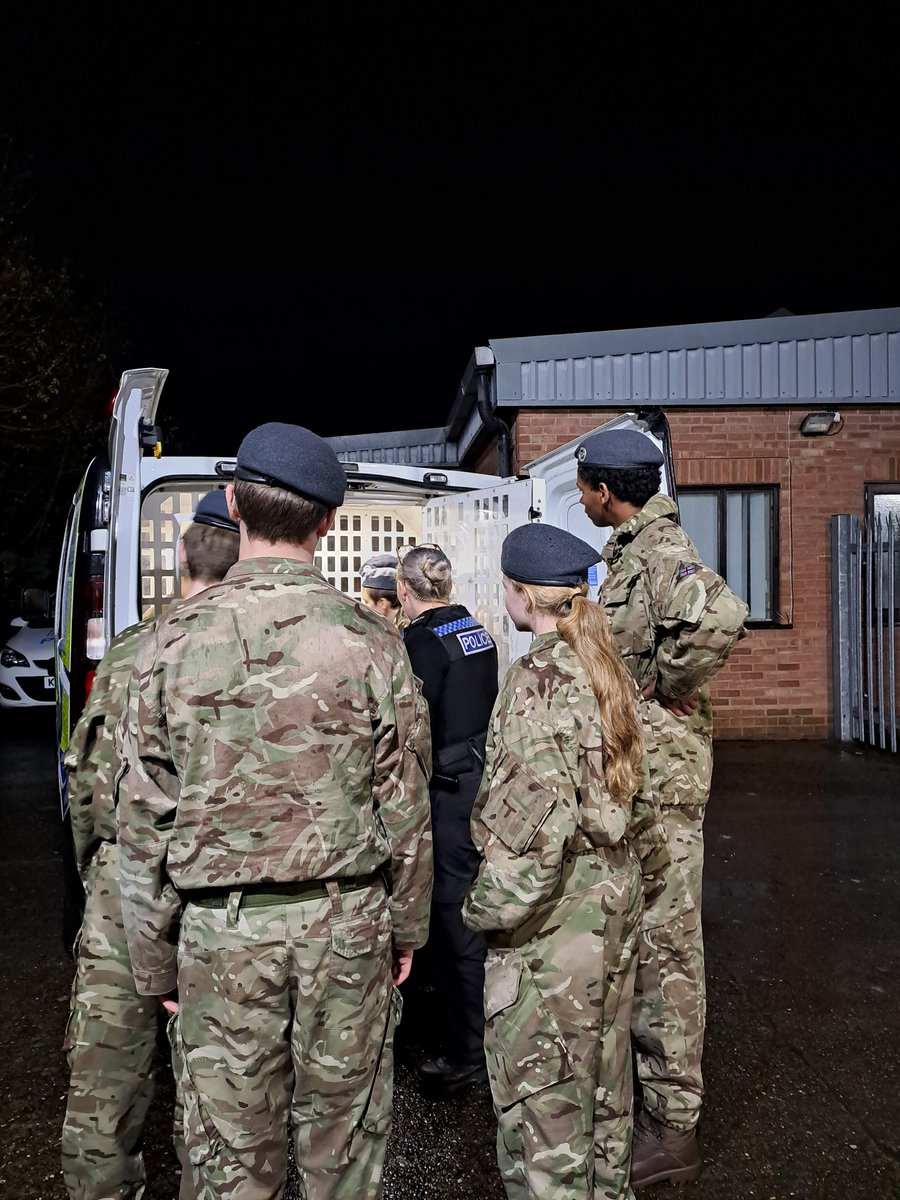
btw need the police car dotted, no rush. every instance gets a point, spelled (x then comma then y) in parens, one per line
(27, 664)
(119, 561)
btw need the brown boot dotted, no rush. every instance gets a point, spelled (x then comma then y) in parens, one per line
(660, 1154)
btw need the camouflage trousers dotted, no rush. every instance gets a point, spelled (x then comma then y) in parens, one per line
(558, 1011)
(286, 1023)
(669, 1016)
(110, 1043)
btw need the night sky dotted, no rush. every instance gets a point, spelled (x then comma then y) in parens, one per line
(316, 218)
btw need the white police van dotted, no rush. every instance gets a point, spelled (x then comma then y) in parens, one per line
(119, 554)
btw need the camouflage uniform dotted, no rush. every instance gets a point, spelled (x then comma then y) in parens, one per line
(674, 622)
(111, 1035)
(559, 896)
(276, 750)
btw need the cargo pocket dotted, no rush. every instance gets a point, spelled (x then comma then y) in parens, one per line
(518, 804)
(629, 620)
(358, 935)
(525, 1050)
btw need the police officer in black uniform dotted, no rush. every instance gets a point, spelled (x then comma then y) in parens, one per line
(456, 660)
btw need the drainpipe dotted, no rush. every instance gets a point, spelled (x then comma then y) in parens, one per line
(484, 366)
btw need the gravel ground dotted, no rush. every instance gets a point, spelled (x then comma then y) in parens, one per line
(803, 940)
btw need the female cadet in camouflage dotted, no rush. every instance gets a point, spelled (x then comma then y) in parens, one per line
(378, 577)
(559, 892)
(112, 1030)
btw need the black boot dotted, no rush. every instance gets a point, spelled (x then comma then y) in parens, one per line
(661, 1154)
(441, 1078)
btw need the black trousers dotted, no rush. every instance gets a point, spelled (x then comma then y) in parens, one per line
(457, 958)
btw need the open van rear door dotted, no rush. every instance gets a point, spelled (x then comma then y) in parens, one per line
(470, 527)
(131, 428)
(557, 470)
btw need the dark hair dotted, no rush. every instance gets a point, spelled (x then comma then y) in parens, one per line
(380, 594)
(275, 514)
(209, 551)
(635, 485)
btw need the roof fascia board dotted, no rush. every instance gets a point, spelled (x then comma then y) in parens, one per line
(817, 402)
(689, 337)
(389, 440)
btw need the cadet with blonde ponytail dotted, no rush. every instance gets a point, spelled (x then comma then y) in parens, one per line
(559, 891)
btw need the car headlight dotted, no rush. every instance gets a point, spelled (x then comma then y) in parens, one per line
(12, 658)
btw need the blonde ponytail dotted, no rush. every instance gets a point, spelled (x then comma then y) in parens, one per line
(582, 624)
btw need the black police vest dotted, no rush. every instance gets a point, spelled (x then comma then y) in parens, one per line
(456, 659)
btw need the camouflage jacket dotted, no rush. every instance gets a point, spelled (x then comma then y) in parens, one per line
(92, 759)
(543, 795)
(674, 621)
(274, 734)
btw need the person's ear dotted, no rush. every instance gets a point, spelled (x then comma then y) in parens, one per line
(326, 523)
(231, 503)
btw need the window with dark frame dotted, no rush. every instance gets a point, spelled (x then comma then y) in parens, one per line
(882, 500)
(883, 519)
(735, 530)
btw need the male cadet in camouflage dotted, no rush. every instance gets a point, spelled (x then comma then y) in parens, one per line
(557, 821)
(111, 1037)
(674, 622)
(276, 787)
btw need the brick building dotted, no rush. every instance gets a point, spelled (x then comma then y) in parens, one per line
(756, 486)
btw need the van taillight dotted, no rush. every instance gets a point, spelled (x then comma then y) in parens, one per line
(95, 645)
(88, 684)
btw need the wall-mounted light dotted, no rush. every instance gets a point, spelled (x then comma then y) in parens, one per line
(821, 424)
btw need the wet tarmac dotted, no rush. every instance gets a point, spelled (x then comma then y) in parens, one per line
(802, 917)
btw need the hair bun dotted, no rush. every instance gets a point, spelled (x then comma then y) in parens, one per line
(434, 570)
(427, 572)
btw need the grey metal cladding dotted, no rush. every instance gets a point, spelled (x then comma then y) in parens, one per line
(409, 447)
(853, 357)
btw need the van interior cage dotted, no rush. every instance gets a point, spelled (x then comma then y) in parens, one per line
(866, 628)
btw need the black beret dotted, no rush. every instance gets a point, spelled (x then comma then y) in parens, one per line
(546, 555)
(619, 450)
(289, 456)
(380, 572)
(212, 510)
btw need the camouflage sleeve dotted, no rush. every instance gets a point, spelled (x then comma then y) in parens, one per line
(83, 760)
(147, 798)
(699, 621)
(525, 815)
(400, 793)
